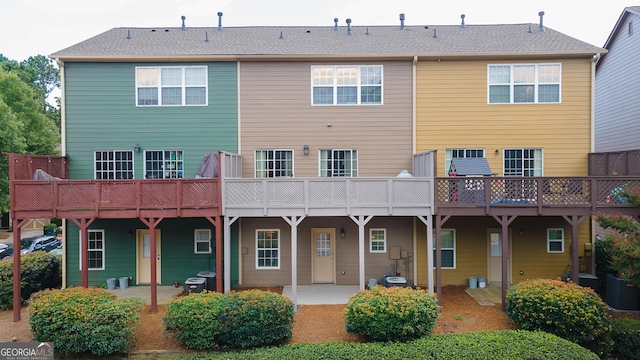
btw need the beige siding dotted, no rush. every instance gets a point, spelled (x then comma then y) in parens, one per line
(276, 112)
(398, 234)
(452, 112)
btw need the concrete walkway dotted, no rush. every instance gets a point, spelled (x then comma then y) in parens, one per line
(322, 294)
(490, 295)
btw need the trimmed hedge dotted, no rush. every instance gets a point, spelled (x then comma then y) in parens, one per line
(391, 314)
(80, 320)
(511, 344)
(626, 334)
(38, 271)
(568, 310)
(244, 319)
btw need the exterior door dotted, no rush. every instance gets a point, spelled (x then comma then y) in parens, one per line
(494, 270)
(143, 255)
(323, 257)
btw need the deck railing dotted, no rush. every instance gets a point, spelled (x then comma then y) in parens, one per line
(114, 198)
(533, 191)
(328, 196)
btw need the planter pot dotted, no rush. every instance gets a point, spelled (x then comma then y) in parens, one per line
(621, 295)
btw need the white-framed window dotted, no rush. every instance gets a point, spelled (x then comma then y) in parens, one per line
(95, 247)
(450, 154)
(347, 85)
(163, 164)
(378, 240)
(555, 240)
(523, 162)
(202, 241)
(110, 165)
(448, 248)
(338, 163)
(524, 83)
(171, 85)
(267, 249)
(273, 163)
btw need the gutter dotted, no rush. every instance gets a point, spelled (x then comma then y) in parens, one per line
(594, 61)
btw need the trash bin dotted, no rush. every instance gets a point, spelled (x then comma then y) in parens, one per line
(482, 282)
(111, 283)
(372, 283)
(210, 279)
(124, 282)
(473, 282)
(193, 285)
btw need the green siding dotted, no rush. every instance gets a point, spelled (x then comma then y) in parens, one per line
(178, 261)
(101, 114)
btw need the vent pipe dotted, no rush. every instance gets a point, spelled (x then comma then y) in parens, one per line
(367, 33)
(128, 34)
(462, 25)
(529, 29)
(220, 21)
(335, 26)
(401, 21)
(349, 32)
(541, 28)
(281, 35)
(206, 36)
(183, 19)
(435, 33)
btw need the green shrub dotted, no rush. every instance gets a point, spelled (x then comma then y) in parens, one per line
(194, 321)
(626, 334)
(570, 311)
(468, 346)
(395, 313)
(38, 271)
(80, 320)
(244, 319)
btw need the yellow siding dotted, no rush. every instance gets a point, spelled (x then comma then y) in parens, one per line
(452, 112)
(528, 254)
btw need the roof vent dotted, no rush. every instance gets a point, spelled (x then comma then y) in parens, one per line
(462, 25)
(206, 36)
(220, 21)
(435, 33)
(349, 32)
(529, 29)
(401, 21)
(367, 33)
(335, 26)
(541, 28)
(183, 19)
(128, 34)
(281, 35)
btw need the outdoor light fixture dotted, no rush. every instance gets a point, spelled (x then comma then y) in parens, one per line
(521, 231)
(342, 233)
(305, 149)
(136, 148)
(497, 152)
(130, 233)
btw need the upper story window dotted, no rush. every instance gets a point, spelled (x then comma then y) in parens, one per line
(347, 85)
(171, 86)
(524, 83)
(110, 165)
(460, 153)
(339, 163)
(523, 162)
(163, 164)
(274, 163)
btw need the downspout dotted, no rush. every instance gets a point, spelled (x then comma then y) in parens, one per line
(594, 60)
(63, 151)
(414, 110)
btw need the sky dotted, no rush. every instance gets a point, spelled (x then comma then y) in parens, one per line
(42, 27)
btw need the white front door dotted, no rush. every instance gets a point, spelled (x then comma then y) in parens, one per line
(494, 270)
(323, 257)
(143, 251)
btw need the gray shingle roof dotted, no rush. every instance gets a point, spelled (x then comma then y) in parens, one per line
(298, 41)
(470, 166)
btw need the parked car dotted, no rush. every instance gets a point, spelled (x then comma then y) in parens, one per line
(57, 251)
(4, 251)
(38, 243)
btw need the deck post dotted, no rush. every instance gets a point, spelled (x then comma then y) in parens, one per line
(17, 300)
(83, 224)
(153, 260)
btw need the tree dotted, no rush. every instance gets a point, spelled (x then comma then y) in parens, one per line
(625, 238)
(25, 126)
